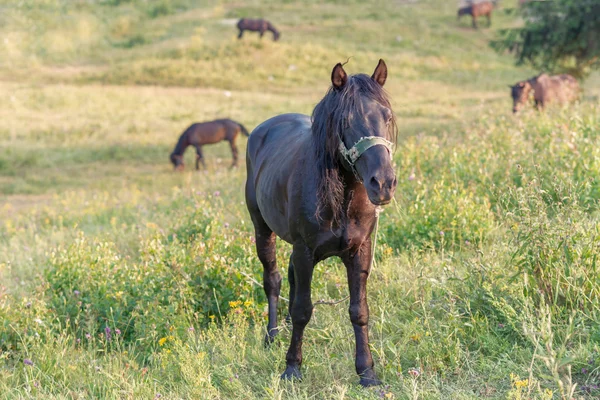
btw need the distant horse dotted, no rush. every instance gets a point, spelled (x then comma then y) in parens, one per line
(560, 89)
(207, 133)
(477, 10)
(257, 25)
(317, 183)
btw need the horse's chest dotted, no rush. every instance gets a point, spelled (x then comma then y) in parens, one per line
(348, 238)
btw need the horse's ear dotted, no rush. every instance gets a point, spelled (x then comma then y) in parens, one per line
(338, 76)
(380, 74)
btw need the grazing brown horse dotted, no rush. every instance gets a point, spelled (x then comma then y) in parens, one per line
(477, 10)
(547, 89)
(207, 133)
(317, 183)
(257, 25)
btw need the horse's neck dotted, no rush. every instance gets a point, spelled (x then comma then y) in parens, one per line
(182, 144)
(354, 190)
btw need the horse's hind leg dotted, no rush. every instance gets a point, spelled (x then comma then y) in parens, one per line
(234, 152)
(302, 308)
(241, 34)
(265, 248)
(474, 22)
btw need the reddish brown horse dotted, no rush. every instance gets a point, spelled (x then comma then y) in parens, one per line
(257, 25)
(316, 183)
(477, 10)
(203, 133)
(547, 89)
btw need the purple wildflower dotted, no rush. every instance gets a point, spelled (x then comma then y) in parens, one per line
(88, 336)
(191, 329)
(158, 396)
(217, 193)
(414, 372)
(117, 331)
(226, 224)
(76, 293)
(252, 239)
(107, 333)
(584, 371)
(411, 177)
(442, 233)
(27, 361)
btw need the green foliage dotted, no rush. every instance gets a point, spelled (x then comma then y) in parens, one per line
(558, 36)
(97, 231)
(173, 285)
(555, 247)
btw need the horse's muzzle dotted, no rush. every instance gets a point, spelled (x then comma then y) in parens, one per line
(381, 187)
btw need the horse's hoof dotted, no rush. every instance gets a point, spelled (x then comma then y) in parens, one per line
(369, 379)
(269, 339)
(291, 373)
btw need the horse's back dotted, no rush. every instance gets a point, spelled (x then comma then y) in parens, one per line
(482, 8)
(562, 88)
(209, 132)
(276, 149)
(278, 137)
(252, 24)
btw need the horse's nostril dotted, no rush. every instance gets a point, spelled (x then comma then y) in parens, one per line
(375, 183)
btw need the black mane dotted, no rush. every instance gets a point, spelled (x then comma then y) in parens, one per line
(329, 119)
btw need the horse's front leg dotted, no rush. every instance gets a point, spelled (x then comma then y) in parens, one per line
(358, 267)
(292, 282)
(199, 158)
(301, 310)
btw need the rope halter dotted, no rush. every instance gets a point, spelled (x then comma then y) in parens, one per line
(352, 155)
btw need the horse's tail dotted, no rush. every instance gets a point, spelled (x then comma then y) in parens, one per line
(244, 130)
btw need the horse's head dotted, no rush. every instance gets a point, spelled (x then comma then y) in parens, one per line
(366, 127)
(520, 94)
(463, 11)
(177, 161)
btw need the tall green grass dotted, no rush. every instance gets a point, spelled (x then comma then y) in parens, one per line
(122, 279)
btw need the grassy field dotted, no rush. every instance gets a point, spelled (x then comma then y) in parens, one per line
(120, 278)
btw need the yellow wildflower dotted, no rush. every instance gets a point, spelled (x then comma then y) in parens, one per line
(162, 341)
(235, 304)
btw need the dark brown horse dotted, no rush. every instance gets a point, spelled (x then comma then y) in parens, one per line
(547, 89)
(257, 25)
(207, 133)
(477, 10)
(306, 187)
